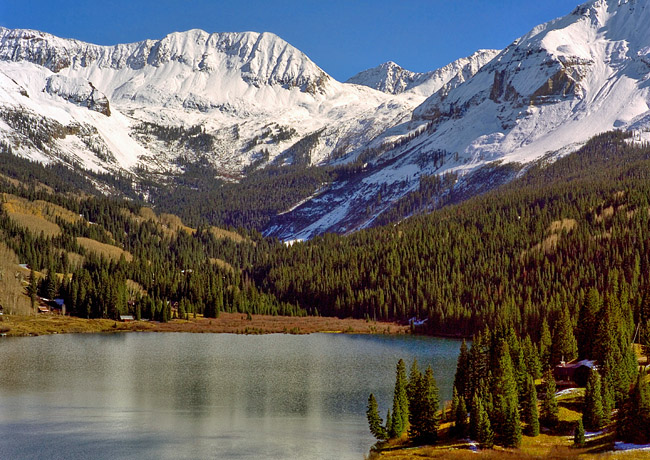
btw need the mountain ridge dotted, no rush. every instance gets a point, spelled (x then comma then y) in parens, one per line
(541, 98)
(391, 78)
(252, 101)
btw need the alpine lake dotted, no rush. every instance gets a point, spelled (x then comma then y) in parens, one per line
(202, 396)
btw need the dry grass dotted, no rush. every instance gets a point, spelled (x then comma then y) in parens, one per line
(39, 208)
(11, 180)
(134, 289)
(148, 214)
(544, 446)
(56, 324)
(222, 263)
(35, 224)
(549, 244)
(559, 225)
(37, 216)
(106, 250)
(174, 223)
(235, 323)
(75, 260)
(221, 233)
(12, 278)
(606, 214)
(170, 224)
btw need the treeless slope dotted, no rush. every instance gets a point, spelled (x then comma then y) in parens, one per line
(106, 250)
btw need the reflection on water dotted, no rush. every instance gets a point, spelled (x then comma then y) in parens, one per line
(174, 396)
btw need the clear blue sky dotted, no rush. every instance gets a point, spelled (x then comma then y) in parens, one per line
(342, 36)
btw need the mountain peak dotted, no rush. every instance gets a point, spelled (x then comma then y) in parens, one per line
(391, 78)
(260, 58)
(388, 77)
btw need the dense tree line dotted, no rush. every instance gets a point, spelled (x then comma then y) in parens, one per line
(527, 253)
(171, 268)
(416, 403)
(495, 398)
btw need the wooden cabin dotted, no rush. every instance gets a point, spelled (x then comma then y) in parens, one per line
(574, 373)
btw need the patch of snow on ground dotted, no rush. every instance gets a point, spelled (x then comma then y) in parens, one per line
(619, 445)
(568, 391)
(593, 434)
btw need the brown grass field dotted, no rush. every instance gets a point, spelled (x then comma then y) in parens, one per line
(12, 279)
(36, 216)
(235, 323)
(35, 224)
(107, 250)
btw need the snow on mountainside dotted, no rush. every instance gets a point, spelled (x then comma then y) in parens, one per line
(543, 96)
(253, 96)
(393, 79)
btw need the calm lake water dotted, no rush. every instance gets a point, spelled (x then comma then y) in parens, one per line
(201, 396)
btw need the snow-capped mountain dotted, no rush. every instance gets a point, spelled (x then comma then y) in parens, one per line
(252, 96)
(392, 79)
(543, 96)
(236, 99)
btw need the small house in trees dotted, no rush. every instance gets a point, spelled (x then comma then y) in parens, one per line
(127, 318)
(574, 373)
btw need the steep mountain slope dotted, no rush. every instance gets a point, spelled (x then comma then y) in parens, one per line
(543, 96)
(252, 96)
(392, 79)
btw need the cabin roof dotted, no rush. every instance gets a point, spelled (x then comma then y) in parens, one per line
(590, 363)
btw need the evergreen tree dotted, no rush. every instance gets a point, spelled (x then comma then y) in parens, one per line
(531, 357)
(512, 427)
(607, 397)
(505, 413)
(564, 345)
(633, 423)
(530, 412)
(485, 435)
(374, 420)
(454, 405)
(474, 416)
(460, 419)
(424, 416)
(389, 423)
(461, 379)
(549, 411)
(400, 402)
(413, 383)
(593, 408)
(32, 289)
(545, 343)
(48, 285)
(588, 323)
(431, 418)
(579, 434)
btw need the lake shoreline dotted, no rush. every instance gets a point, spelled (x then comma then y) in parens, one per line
(229, 323)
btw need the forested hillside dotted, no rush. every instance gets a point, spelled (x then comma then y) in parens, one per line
(108, 257)
(529, 251)
(554, 246)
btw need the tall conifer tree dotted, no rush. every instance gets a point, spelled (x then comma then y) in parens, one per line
(400, 402)
(593, 409)
(374, 420)
(549, 410)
